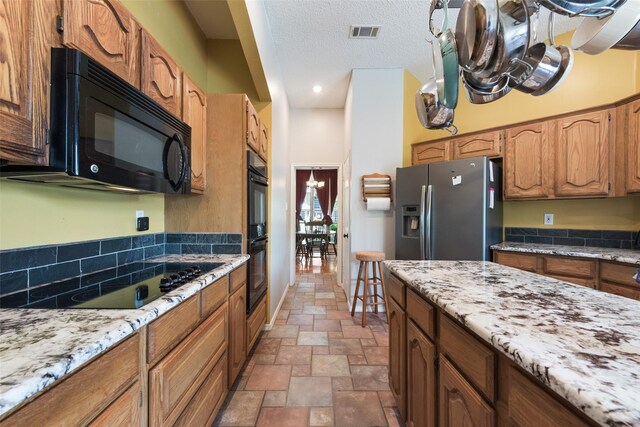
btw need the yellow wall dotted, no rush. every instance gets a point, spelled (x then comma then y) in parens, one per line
(595, 80)
(171, 24)
(32, 214)
(227, 69)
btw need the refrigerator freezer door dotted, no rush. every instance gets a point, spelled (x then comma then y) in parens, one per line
(409, 182)
(458, 228)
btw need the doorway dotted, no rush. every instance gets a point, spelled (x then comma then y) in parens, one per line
(316, 205)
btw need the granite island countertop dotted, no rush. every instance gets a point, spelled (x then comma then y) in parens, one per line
(581, 343)
(629, 256)
(40, 346)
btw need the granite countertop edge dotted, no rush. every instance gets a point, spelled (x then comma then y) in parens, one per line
(628, 256)
(33, 375)
(552, 376)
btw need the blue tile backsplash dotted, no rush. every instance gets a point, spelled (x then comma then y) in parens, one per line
(28, 267)
(560, 236)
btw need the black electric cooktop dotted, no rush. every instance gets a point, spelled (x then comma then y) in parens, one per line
(128, 286)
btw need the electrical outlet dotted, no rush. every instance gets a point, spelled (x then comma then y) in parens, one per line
(548, 219)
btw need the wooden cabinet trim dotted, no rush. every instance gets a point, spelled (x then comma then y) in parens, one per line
(166, 332)
(474, 359)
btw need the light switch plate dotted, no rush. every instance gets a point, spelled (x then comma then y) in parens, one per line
(548, 219)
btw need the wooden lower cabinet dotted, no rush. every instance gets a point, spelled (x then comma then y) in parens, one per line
(84, 395)
(237, 332)
(175, 379)
(123, 412)
(607, 276)
(421, 378)
(459, 403)
(255, 322)
(397, 355)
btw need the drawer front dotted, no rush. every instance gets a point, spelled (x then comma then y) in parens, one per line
(568, 267)
(396, 290)
(473, 358)
(165, 332)
(203, 407)
(422, 313)
(237, 278)
(214, 295)
(78, 398)
(515, 260)
(486, 144)
(619, 273)
(530, 405)
(172, 382)
(589, 283)
(255, 322)
(124, 412)
(620, 290)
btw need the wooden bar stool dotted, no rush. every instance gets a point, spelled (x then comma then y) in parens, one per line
(366, 258)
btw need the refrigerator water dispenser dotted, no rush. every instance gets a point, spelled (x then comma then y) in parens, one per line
(411, 221)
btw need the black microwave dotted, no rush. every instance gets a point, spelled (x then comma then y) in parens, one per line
(107, 135)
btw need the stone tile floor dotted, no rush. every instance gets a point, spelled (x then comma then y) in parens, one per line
(316, 367)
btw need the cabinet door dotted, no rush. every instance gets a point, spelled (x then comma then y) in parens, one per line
(194, 113)
(485, 144)
(527, 163)
(397, 356)
(237, 331)
(582, 154)
(104, 30)
(460, 404)
(430, 152)
(161, 78)
(633, 147)
(24, 70)
(264, 141)
(253, 128)
(421, 379)
(123, 412)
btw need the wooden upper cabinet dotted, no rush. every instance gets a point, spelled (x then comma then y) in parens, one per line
(253, 127)
(528, 162)
(161, 78)
(485, 144)
(264, 141)
(582, 145)
(430, 152)
(24, 71)
(633, 146)
(104, 30)
(194, 113)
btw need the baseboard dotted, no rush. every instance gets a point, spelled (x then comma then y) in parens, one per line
(269, 325)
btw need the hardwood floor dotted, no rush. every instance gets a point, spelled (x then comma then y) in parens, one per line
(316, 265)
(317, 366)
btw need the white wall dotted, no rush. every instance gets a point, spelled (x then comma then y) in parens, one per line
(376, 147)
(280, 262)
(316, 135)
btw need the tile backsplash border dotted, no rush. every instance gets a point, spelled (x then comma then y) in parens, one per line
(615, 239)
(24, 268)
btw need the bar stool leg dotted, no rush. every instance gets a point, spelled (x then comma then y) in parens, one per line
(365, 300)
(355, 295)
(384, 296)
(375, 287)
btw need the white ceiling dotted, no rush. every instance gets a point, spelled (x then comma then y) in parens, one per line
(314, 48)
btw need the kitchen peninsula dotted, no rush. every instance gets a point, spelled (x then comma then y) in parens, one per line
(484, 342)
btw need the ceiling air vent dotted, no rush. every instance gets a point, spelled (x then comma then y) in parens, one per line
(364, 31)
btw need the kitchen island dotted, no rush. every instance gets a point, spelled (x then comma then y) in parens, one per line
(41, 347)
(575, 347)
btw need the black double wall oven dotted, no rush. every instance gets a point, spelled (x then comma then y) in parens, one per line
(257, 233)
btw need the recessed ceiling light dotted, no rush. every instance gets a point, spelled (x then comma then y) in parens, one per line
(317, 89)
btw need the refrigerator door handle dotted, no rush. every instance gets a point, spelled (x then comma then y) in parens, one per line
(423, 192)
(428, 220)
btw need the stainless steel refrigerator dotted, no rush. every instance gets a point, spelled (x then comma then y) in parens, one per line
(448, 210)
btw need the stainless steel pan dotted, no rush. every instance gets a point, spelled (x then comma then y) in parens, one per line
(431, 113)
(541, 64)
(476, 94)
(476, 33)
(599, 8)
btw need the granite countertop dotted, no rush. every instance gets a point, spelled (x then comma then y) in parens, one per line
(40, 346)
(581, 343)
(629, 256)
